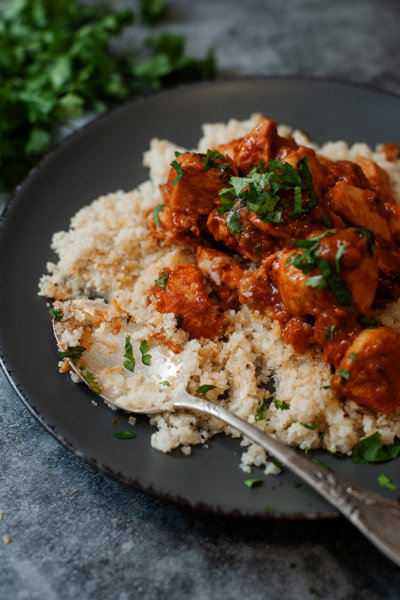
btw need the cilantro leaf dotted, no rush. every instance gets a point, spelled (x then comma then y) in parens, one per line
(369, 236)
(124, 435)
(327, 221)
(386, 482)
(329, 332)
(282, 405)
(253, 482)
(372, 450)
(203, 389)
(143, 348)
(340, 251)
(91, 380)
(162, 281)
(312, 427)
(344, 374)
(156, 210)
(56, 314)
(179, 172)
(261, 411)
(210, 161)
(73, 352)
(129, 363)
(234, 223)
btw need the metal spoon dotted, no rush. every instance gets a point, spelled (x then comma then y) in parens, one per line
(109, 339)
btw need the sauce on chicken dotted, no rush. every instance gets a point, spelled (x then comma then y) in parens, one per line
(307, 241)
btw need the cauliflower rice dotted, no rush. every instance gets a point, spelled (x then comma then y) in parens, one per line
(108, 253)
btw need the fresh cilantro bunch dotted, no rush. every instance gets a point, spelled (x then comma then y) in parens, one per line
(55, 63)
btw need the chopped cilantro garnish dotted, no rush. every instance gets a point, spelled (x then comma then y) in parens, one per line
(156, 210)
(166, 383)
(343, 373)
(261, 411)
(309, 259)
(371, 323)
(73, 352)
(326, 387)
(129, 363)
(179, 172)
(340, 251)
(281, 404)
(91, 380)
(124, 435)
(386, 482)
(260, 190)
(329, 332)
(56, 314)
(318, 462)
(327, 221)
(313, 427)
(234, 222)
(252, 482)
(322, 434)
(369, 236)
(128, 318)
(278, 464)
(162, 281)
(210, 160)
(203, 389)
(372, 450)
(179, 321)
(144, 347)
(353, 356)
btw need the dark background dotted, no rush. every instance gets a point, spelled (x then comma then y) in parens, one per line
(77, 534)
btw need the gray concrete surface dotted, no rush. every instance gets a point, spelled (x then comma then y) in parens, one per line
(75, 534)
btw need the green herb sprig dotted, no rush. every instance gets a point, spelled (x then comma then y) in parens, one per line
(129, 363)
(372, 450)
(144, 348)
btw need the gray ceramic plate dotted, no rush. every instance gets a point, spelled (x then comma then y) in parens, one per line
(106, 156)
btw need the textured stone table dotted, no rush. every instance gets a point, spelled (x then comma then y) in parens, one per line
(77, 534)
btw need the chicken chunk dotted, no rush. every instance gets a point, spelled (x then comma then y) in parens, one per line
(369, 373)
(346, 171)
(181, 291)
(360, 207)
(256, 146)
(258, 291)
(378, 179)
(251, 242)
(351, 264)
(223, 273)
(192, 197)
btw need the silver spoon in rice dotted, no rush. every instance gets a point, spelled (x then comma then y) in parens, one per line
(130, 366)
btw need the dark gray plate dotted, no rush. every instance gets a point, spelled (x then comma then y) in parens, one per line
(106, 156)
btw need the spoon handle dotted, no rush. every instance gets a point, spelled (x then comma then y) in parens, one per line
(376, 517)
